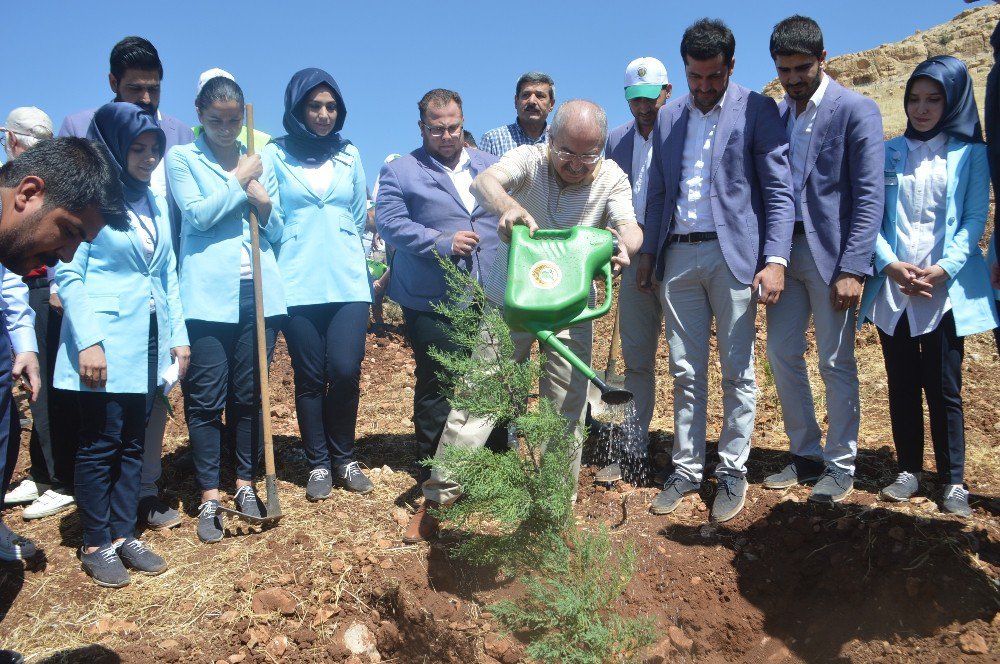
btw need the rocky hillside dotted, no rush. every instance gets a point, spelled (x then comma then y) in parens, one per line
(881, 73)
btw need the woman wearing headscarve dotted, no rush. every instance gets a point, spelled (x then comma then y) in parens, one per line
(931, 287)
(215, 184)
(122, 323)
(323, 207)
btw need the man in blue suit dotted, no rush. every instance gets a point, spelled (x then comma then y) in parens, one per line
(425, 209)
(836, 154)
(640, 314)
(135, 77)
(718, 230)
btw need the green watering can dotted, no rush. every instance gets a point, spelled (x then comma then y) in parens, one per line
(549, 279)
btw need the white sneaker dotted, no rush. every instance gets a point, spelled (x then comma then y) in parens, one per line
(25, 492)
(48, 503)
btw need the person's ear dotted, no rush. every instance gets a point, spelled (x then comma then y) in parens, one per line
(30, 187)
(113, 82)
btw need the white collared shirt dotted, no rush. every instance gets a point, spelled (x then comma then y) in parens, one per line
(799, 130)
(642, 157)
(319, 176)
(920, 231)
(461, 177)
(693, 213)
(158, 178)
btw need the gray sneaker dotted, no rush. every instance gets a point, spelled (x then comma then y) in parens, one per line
(902, 489)
(105, 567)
(799, 471)
(210, 529)
(956, 501)
(834, 485)
(13, 547)
(610, 473)
(248, 503)
(138, 556)
(350, 477)
(674, 489)
(729, 498)
(156, 514)
(320, 484)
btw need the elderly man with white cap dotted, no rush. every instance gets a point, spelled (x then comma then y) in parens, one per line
(640, 315)
(25, 126)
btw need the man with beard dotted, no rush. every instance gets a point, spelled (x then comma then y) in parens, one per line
(424, 209)
(534, 99)
(52, 197)
(135, 77)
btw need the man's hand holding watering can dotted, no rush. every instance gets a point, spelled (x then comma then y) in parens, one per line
(620, 259)
(512, 216)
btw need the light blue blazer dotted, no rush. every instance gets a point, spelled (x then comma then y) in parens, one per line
(215, 222)
(321, 257)
(967, 202)
(105, 291)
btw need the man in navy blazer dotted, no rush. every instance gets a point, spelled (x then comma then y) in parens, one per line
(640, 315)
(836, 154)
(135, 75)
(424, 209)
(718, 230)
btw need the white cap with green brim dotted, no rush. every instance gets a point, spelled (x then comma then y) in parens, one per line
(645, 77)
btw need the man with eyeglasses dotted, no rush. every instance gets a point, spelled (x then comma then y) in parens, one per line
(425, 209)
(534, 99)
(719, 218)
(560, 185)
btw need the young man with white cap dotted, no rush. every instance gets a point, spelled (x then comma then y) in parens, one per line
(640, 315)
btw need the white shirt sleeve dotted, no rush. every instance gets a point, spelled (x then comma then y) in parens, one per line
(20, 317)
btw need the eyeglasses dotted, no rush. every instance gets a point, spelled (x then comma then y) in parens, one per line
(438, 132)
(588, 159)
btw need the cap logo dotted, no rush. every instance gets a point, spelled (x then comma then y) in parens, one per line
(641, 70)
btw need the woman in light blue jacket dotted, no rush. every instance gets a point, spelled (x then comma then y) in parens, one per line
(931, 287)
(122, 315)
(322, 205)
(215, 183)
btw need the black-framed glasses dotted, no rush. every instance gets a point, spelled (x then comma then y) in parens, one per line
(588, 159)
(438, 132)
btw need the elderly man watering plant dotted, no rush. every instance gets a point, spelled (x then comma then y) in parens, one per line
(556, 186)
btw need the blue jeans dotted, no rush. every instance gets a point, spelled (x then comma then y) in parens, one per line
(327, 343)
(10, 421)
(109, 457)
(224, 368)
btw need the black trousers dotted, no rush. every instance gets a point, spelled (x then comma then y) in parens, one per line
(55, 416)
(10, 420)
(109, 459)
(927, 365)
(327, 344)
(426, 330)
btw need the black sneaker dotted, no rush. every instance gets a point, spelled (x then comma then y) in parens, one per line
(210, 528)
(157, 515)
(351, 478)
(799, 471)
(956, 501)
(13, 547)
(105, 567)
(138, 556)
(674, 489)
(835, 485)
(248, 503)
(729, 498)
(320, 484)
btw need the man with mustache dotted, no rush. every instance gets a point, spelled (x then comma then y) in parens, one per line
(640, 314)
(52, 197)
(135, 77)
(534, 99)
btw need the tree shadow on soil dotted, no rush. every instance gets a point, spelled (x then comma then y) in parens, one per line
(92, 654)
(824, 576)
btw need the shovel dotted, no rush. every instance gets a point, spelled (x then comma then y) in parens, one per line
(611, 377)
(272, 508)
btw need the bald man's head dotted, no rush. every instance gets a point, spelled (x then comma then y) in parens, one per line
(579, 116)
(577, 135)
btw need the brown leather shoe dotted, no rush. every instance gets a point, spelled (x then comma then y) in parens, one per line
(422, 525)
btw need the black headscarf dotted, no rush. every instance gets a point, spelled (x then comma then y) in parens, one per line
(301, 142)
(961, 117)
(116, 125)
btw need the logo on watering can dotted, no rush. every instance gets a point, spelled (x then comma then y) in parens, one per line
(545, 274)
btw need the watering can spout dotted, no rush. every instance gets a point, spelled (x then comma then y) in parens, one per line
(611, 395)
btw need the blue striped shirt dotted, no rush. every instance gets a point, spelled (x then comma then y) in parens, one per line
(503, 139)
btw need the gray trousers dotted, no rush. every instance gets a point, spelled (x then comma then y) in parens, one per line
(807, 294)
(697, 287)
(152, 451)
(641, 322)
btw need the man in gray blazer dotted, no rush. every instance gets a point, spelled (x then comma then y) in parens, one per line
(640, 315)
(719, 216)
(836, 154)
(424, 208)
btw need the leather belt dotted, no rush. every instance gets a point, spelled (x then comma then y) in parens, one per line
(692, 238)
